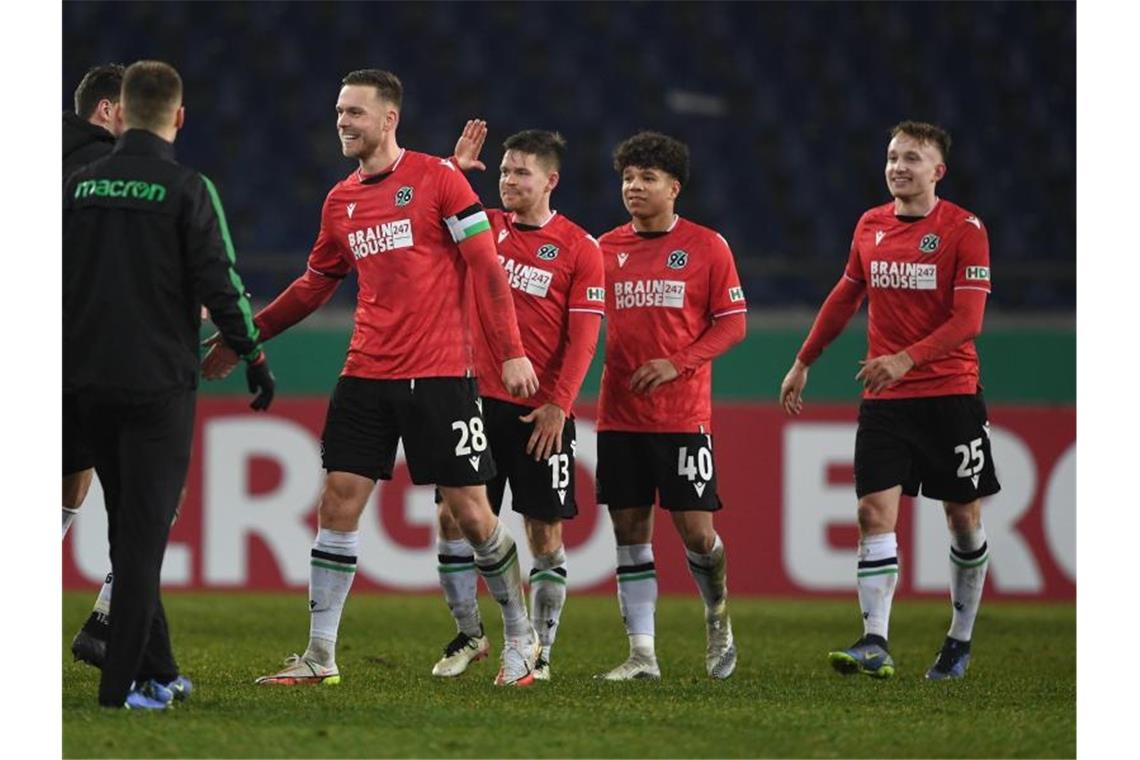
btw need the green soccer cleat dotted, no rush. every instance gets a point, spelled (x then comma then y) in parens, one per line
(868, 655)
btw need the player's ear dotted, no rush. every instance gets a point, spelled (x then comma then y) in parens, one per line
(552, 181)
(391, 119)
(180, 117)
(939, 172)
(674, 189)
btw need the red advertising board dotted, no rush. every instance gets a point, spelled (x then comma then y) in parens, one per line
(788, 519)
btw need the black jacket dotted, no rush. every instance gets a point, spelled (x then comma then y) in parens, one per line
(83, 142)
(145, 244)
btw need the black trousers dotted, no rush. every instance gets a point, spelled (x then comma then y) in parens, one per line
(142, 451)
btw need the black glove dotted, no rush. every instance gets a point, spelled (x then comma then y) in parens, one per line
(260, 380)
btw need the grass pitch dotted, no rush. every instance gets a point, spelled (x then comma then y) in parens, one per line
(1018, 700)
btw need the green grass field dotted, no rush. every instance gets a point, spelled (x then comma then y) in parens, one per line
(1019, 699)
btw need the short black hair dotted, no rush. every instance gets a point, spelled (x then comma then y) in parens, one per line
(99, 83)
(548, 146)
(925, 132)
(152, 91)
(387, 84)
(653, 150)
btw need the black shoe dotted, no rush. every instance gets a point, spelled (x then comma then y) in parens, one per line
(90, 644)
(952, 660)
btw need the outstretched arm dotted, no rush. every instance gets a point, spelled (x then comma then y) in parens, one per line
(838, 308)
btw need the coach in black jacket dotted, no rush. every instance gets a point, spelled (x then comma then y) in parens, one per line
(145, 244)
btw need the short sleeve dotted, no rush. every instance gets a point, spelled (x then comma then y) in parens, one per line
(588, 282)
(726, 296)
(972, 268)
(327, 257)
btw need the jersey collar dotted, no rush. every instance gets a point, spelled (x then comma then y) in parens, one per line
(366, 179)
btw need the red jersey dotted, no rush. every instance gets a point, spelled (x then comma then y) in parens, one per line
(553, 270)
(910, 271)
(400, 231)
(663, 291)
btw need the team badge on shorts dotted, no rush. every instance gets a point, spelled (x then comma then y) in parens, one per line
(548, 252)
(929, 243)
(677, 260)
(404, 196)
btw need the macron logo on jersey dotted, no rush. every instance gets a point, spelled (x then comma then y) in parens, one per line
(350, 208)
(669, 294)
(904, 275)
(530, 280)
(380, 238)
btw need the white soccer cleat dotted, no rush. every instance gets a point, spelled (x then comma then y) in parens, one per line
(300, 671)
(459, 653)
(637, 668)
(720, 656)
(516, 664)
(542, 669)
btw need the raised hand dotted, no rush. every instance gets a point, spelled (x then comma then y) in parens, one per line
(470, 144)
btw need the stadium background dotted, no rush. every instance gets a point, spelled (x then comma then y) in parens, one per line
(787, 127)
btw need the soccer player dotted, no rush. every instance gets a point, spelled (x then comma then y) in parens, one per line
(412, 228)
(88, 133)
(555, 273)
(924, 265)
(674, 303)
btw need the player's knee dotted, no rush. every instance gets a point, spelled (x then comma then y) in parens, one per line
(342, 501)
(697, 535)
(632, 526)
(543, 537)
(873, 518)
(963, 518)
(75, 487)
(448, 526)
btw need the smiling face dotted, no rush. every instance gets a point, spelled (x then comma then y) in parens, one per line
(363, 118)
(648, 192)
(913, 168)
(524, 181)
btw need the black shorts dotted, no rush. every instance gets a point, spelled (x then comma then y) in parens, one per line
(635, 467)
(543, 490)
(77, 454)
(438, 418)
(940, 444)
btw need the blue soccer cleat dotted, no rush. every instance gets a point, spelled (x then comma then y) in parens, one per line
(152, 689)
(868, 655)
(952, 660)
(143, 698)
(181, 687)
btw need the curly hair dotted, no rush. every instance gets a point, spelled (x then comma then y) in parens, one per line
(653, 150)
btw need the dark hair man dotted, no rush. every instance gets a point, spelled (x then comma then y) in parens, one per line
(555, 272)
(924, 265)
(412, 229)
(673, 304)
(145, 245)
